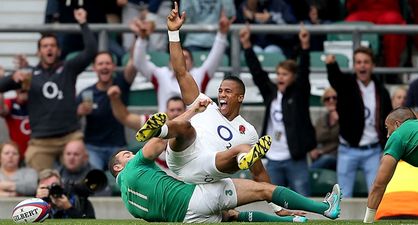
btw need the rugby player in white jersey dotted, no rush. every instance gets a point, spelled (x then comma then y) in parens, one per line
(219, 127)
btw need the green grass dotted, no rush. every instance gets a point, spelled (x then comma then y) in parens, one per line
(141, 222)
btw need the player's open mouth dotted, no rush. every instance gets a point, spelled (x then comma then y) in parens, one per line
(222, 104)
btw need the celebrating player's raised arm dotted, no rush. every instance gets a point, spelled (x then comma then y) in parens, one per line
(188, 86)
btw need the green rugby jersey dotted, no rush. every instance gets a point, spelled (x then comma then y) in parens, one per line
(403, 143)
(149, 193)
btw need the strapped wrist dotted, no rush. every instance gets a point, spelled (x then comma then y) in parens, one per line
(174, 36)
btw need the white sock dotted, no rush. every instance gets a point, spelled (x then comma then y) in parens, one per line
(240, 156)
(163, 131)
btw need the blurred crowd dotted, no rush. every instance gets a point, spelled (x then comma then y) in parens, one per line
(49, 147)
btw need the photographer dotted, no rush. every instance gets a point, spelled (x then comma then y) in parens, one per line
(62, 205)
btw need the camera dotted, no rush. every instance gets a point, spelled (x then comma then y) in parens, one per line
(94, 181)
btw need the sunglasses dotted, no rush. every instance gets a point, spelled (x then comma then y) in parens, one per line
(327, 99)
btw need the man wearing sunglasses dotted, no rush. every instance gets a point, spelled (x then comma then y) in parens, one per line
(402, 126)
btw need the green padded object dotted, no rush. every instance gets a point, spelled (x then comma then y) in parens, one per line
(200, 56)
(373, 39)
(267, 59)
(321, 181)
(316, 61)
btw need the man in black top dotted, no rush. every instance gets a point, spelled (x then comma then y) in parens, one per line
(287, 116)
(52, 104)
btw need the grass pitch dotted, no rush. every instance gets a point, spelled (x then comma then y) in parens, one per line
(141, 222)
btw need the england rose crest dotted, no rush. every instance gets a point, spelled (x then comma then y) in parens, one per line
(242, 129)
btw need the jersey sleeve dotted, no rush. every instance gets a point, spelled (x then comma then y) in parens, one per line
(211, 64)
(395, 146)
(142, 65)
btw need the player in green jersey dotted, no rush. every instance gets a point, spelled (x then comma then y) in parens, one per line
(402, 126)
(151, 194)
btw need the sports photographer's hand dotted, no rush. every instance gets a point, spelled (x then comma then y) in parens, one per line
(61, 202)
(42, 191)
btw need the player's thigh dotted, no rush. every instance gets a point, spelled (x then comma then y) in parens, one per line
(216, 196)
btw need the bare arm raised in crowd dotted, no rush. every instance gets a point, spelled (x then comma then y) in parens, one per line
(121, 113)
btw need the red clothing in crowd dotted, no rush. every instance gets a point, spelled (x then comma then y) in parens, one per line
(18, 124)
(383, 12)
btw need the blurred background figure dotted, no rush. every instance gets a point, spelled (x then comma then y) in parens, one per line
(412, 96)
(205, 12)
(324, 156)
(153, 11)
(63, 205)
(399, 97)
(15, 180)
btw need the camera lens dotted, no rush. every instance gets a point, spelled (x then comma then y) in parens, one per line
(56, 191)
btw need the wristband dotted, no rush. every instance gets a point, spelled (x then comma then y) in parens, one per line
(275, 207)
(369, 216)
(173, 36)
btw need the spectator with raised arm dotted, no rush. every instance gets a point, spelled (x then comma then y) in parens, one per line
(362, 105)
(287, 116)
(15, 180)
(103, 134)
(163, 78)
(52, 104)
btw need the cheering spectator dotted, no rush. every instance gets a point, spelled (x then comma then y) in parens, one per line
(103, 134)
(287, 116)
(52, 105)
(363, 104)
(15, 181)
(324, 156)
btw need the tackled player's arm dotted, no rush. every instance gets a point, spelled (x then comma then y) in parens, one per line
(384, 175)
(188, 86)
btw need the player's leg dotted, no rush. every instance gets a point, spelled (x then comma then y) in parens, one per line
(231, 160)
(256, 216)
(250, 191)
(156, 126)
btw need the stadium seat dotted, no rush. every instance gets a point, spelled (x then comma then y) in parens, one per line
(360, 185)
(266, 59)
(200, 56)
(321, 181)
(145, 97)
(316, 61)
(72, 55)
(160, 59)
(373, 39)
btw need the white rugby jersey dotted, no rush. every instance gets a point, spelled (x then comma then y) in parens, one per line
(219, 133)
(164, 79)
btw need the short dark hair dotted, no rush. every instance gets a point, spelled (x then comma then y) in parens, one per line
(113, 161)
(289, 65)
(189, 51)
(175, 99)
(402, 114)
(237, 80)
(47, 35)
(103, 53)
(364, 50)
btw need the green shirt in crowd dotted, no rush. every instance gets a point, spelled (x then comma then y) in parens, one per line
(403, 143)
(149, 193)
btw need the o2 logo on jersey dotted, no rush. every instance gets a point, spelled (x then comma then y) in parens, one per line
(225, 133)
(24, 127)
(50, 90)
(229, 192)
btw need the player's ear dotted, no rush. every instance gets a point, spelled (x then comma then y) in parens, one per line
(240, 98)
(117, 167)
